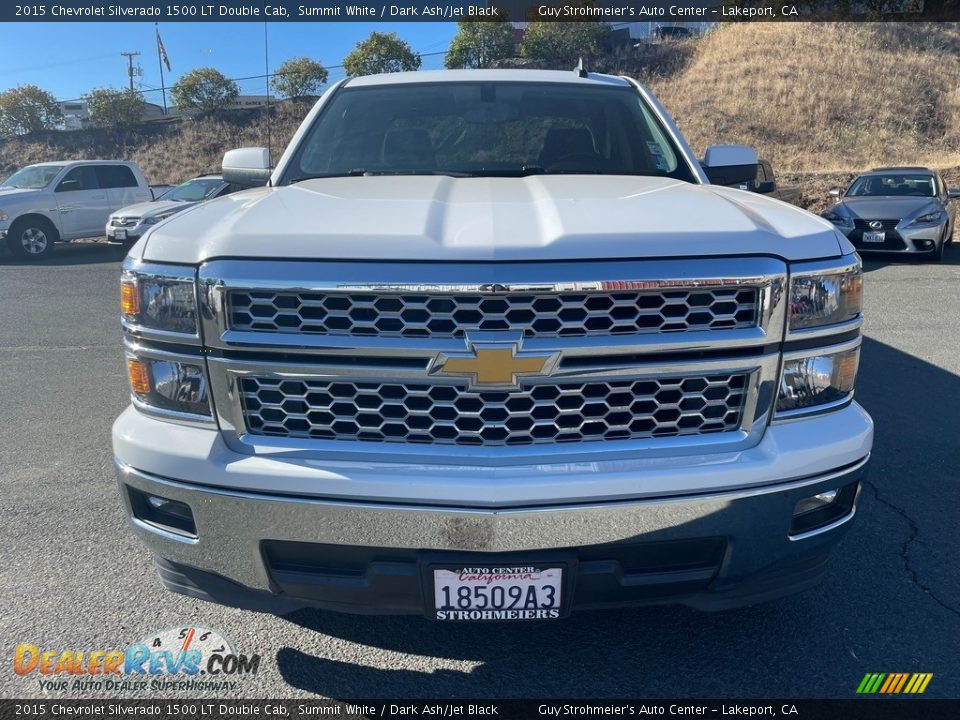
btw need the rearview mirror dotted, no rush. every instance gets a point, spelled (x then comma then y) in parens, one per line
(766, 186)
(953, 193)
(249, 167)
(730, 164)
(836, 193)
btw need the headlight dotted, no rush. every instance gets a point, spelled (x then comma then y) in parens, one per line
(159, 298)
(169, 386)
(934, 218)
(838, 219)
(826, 297)
(154, 220)
(822, 377)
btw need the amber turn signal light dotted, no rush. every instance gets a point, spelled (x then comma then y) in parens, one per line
(139, 375)
(129, 298)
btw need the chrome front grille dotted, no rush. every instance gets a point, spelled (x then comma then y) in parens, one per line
(124, 221)
(614, 308)
(545, 412)
(411, 361)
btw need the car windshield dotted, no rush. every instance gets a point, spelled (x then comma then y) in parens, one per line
(894, 185)
(193, 190)
(33, 177)
(486, 129)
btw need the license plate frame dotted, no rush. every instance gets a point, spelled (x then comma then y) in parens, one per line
(874, 236)
(120, 234)
(566, 567)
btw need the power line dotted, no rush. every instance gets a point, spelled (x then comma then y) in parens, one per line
(267, 76)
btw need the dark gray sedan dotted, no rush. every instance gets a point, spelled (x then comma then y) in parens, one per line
(896, 210)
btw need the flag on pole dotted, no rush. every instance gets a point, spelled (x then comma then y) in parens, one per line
(163, 51)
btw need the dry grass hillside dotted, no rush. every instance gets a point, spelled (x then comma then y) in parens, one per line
(822, 101)
(168, 152)
(824, 97)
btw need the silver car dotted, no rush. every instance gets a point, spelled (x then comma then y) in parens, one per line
(896, 210)
(127, 224)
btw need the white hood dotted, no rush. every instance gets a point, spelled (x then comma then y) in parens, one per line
(11, 193)
(564, 217)
(151, 208)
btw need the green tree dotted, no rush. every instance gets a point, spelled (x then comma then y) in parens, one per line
(204, 89)
(27, 109)
(381, 53)
(561, 43)
(476, 44)
(298, 77)
(110, 107)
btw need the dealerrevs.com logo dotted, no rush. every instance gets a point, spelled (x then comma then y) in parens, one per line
(184, 658)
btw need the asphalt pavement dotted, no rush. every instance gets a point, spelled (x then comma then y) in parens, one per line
(72, 576)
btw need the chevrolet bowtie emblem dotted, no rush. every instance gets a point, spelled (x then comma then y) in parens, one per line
(495, 364)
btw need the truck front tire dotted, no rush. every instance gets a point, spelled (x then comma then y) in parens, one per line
(31, 238)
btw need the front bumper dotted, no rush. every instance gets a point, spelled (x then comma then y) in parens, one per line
(903, 240)
(133, 233)
(710, 549)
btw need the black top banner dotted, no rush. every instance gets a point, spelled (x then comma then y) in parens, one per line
(612, 11)
(223, 709)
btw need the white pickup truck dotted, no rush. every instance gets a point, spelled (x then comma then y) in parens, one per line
(491, 346)
(58, 201)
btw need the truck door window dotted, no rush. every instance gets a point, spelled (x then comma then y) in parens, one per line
(80, 178)
(116, 176)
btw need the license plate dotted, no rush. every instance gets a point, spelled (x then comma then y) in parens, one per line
(520, 592)
(874, 237)
(119, 234)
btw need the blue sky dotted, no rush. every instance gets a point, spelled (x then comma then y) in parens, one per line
(69, 59)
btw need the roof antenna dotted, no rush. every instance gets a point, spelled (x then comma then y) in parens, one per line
(580, 70)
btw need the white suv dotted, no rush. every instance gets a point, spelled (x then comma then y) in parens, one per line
(58, 201)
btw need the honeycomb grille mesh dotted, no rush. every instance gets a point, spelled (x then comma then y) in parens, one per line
(451, 415)
(556, 314)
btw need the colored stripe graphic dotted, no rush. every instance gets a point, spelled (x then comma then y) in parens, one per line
(894, 683)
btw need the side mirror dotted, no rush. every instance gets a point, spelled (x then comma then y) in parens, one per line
(730, 164)
(836, 193)
(68, 185)
(766, 186)
(953, 193)
(249, 167)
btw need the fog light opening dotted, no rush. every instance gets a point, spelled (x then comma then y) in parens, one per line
(163, 513)
(824, 508)
(925, 244)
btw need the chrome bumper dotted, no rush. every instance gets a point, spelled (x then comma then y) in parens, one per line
(760, 558)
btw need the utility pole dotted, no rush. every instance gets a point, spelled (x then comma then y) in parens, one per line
(130, 56)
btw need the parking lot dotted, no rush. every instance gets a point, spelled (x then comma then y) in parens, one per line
(74, 576)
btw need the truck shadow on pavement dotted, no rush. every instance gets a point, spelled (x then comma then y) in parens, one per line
(889, 599)
(86, 253)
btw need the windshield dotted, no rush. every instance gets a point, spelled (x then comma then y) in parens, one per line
(486, 129)
(33, 177)
(898, 185)
(193, 190)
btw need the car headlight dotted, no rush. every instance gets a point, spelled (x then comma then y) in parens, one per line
(838, 219)
(827, 295)
(821, 377)
(933, 218)
(172, 387)
(159, 299)
(156, 218)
